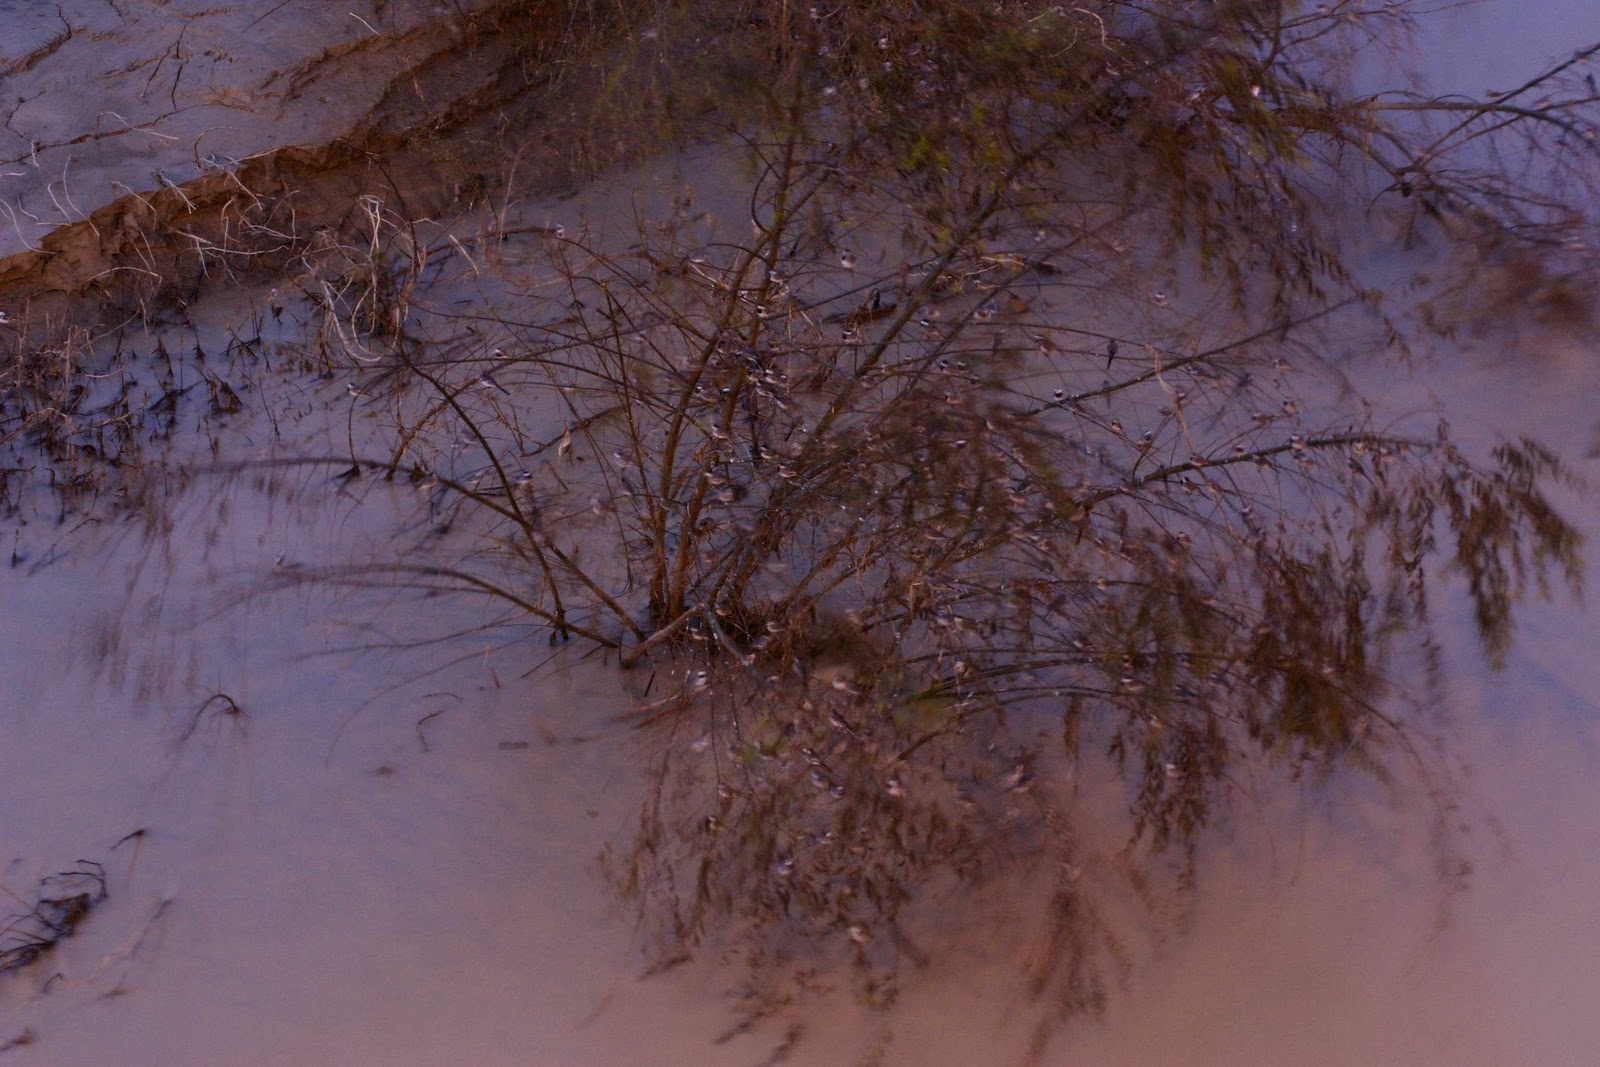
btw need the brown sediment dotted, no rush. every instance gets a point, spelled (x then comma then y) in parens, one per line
(144, 243)
(420, 147)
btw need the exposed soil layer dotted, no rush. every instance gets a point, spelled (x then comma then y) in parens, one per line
(409, 117)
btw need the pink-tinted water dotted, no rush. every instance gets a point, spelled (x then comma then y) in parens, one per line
(324, 880)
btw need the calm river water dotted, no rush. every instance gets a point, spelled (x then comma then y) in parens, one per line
(388, 857)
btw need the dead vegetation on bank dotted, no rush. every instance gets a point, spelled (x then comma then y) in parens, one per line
(506, 97)
(79, 409)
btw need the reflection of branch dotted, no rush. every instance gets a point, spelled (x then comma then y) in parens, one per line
(1499, 104)
(1185, 361)
(439, 578)
(1253, 456)
(129, 948)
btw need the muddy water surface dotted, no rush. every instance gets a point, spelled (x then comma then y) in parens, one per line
(380, 847)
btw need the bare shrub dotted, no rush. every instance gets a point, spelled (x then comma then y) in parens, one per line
(1001, 405)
